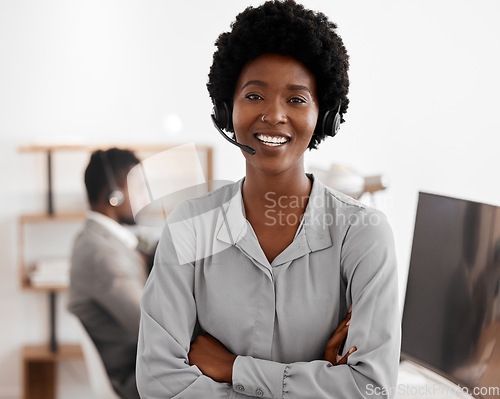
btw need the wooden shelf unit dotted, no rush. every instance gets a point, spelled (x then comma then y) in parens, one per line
(39, 361)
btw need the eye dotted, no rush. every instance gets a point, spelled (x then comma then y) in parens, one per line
(253, 97)
(297, 100)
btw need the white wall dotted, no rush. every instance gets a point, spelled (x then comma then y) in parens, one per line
(424, 105)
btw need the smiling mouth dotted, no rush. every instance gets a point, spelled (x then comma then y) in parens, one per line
(272, 141)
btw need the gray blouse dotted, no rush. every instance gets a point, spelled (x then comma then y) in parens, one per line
(211, 275)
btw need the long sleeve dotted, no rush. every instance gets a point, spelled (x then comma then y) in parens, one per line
(168, 319)
(370, 272)
(210, 270)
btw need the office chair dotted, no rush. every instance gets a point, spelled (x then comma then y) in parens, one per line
(99, 380)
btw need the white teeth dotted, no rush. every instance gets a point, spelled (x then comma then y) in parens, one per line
(271, 140)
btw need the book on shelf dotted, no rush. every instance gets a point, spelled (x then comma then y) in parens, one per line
(48, 272)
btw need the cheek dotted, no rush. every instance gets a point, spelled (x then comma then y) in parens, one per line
(241, 120)
(308, 126)
(313, 120)
(236, 116)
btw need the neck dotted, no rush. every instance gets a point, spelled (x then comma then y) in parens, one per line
(106, 210)
(260, 187)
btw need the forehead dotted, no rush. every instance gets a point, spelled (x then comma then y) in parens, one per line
(277, 70)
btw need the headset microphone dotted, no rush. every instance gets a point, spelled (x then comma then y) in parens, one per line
(245, 148)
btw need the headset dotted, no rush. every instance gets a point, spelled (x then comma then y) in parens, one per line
(222, 117)
(115, 197)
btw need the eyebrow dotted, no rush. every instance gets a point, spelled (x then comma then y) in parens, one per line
(263, 84)
(254, 82)
(299, 87)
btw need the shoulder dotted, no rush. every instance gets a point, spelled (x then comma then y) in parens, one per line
(197, 217)
(349, 220)
(96, 247)
(89, 241)
(92, 237)
(203, 204)
(346, 211)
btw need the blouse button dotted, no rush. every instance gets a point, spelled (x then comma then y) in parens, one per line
(240, 388)
(259, 393)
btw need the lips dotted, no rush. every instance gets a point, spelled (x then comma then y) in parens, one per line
(272, 141)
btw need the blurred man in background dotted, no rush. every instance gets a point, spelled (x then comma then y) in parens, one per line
(107, 272)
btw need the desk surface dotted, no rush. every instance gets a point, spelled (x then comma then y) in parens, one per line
(417, 382)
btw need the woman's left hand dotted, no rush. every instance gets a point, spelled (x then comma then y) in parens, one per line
(335, 342)
(212, 358)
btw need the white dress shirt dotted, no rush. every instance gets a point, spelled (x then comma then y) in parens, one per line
(211, 275)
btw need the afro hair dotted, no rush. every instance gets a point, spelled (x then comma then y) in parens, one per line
(285, 28)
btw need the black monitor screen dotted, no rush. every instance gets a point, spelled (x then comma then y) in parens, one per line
(451, 318)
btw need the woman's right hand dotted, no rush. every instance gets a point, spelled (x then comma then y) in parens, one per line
(334, 343)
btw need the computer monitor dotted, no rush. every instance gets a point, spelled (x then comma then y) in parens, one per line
(451, 318)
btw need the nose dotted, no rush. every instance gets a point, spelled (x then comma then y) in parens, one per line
(274, 113)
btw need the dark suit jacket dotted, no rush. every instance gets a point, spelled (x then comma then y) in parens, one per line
(107, 279)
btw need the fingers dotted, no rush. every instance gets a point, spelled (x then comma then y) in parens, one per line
(336, 342)
(343, 328)
(344, 359)
(341, 331)
(347, 318)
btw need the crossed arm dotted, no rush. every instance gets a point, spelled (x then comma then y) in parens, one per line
(216, 362)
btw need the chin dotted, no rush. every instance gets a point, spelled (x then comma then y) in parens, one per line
(276, 166)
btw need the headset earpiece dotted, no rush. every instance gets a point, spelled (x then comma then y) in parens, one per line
(223, 116)
(115, 198)
(331, 122)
